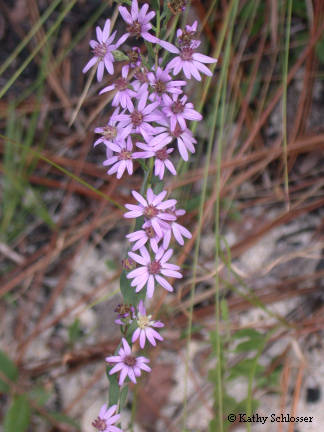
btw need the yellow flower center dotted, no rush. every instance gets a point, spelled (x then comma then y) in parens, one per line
(143, 321)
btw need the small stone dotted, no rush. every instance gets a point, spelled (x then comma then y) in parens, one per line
(313, 394)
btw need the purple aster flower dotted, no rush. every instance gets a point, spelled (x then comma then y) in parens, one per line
(153, 270)
(153, 209)
(112, 131)
(122, 160)
(138, 21)
(176, 229)
(185, 140)
(141, 116)
(162, 83)
(188, 60)
(178, 110)
(141, 237)
(162, 160)
(102, 51)
(124, 93)
(128, 364)
(144, 330)
(106, 419)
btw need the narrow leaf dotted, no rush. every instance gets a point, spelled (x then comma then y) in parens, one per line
(18, 415)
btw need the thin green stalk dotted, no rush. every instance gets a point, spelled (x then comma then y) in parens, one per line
(30, 35)
(252, 375)
(83, 95)
(224, 71)
(284, 101)
(60, 18)
(231, 8)
(219, 365)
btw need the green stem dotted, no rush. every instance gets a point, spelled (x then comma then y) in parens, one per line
(284, 101)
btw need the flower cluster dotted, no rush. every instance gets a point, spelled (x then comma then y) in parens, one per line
(150, 119)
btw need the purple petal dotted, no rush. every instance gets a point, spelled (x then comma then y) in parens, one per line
(164, 283)
(89, 65)
(125, 14)
(127, 348)
(203, 58)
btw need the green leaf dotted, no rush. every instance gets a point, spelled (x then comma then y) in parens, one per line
(244, 368)
(241, 406)
(63, 418)
(128, 292)
(9, 369)
(18, 415)
(75, 331)
(39, 395)
(224, 309)
(247, 332)
(249, 345)
(255, 340)
(111, 264)
(320, 50)
(119, 55)
(113, 387)
(123, 397)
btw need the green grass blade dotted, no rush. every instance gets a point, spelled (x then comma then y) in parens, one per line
(54, 27)
(29, 36)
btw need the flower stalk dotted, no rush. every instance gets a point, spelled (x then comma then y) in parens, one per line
(149, 121)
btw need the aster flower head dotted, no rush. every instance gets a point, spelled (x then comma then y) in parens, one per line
(141, 237)
(185, 140)
(102, 51)
(124, 93)
(106, 419)
(161, 82)
(127, 364)
(144, 330)
(138, 21)
(179, 232)
(179, 110)
(123, 159)
(152, 208)
(141, 116)
(191, 62)
(153, 270)
(112, 131)
(162, 161)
